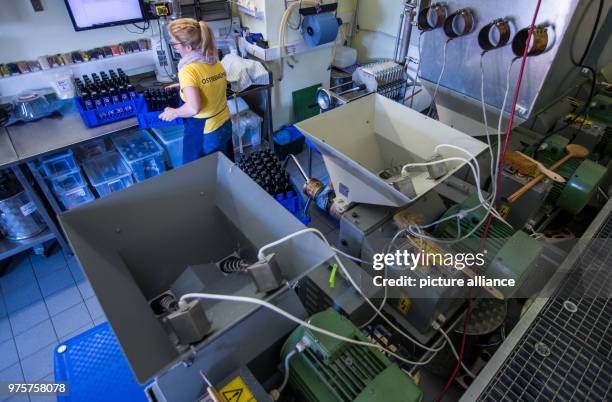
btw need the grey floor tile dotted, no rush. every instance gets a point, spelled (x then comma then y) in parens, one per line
(64, 299)
(29, 316)
(43, 265)
(85, 289)
(71, 320)
(8, 351)
(39, 364)
(12, 373)
(35, 339)
(100, 320)
(24, 295)
(5, 329)
(77, 332)
(55, 281)
(93, 305)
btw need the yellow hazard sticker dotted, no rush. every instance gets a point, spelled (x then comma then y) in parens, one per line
(237, 391)
(403, 304)
(504, 210)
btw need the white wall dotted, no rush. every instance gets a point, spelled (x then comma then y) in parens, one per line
(26, 34)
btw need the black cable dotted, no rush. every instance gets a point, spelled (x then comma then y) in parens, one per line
(591, 37)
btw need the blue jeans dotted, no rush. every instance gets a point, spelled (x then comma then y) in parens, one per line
(196, 144)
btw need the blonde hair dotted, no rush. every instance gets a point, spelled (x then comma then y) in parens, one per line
(196, 34)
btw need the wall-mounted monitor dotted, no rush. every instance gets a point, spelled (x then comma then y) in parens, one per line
(92, 14)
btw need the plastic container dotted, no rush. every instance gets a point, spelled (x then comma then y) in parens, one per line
(288, 140)
(142, 153)
(171, 139)
(147, 119)
(75, 197)
(246, 129)
(294, 204)
(344, 57)
(108, 173)
(107, 114)
(67, 182)
(19, 218)
(58, 164)
(91, 149)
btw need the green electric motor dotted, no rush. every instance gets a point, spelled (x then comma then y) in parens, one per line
(509, 254)
(330, 370)
(582, 176)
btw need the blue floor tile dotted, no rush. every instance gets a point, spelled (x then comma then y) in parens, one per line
(77, 332)
(86, 290)
(70, 320)
(94, 308)
(75, 269)
(5, 329)
(35, 339)
(39, 364)
(43, 265)
(100, 320)
(3, 312)
(8, 351)
(64, 299)
(18, 298)
(55, 281)
(17, 275)
(12, 373)
(29, 316)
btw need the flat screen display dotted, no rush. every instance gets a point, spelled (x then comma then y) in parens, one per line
(92, 14)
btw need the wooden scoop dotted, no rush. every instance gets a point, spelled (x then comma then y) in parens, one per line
(543, 170)
(573, 151)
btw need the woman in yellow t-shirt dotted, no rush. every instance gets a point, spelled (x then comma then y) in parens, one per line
(203, 83)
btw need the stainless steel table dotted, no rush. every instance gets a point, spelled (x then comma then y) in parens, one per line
(8, 155)
(51, 134)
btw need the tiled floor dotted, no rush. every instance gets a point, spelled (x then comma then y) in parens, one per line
(43, 301)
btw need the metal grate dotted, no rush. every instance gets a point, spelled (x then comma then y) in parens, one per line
(550, 365)
(566, 354)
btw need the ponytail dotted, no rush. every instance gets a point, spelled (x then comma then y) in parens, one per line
(209, 48)
(196, 34)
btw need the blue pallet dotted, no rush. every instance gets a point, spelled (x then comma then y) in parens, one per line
(95, 369)
(147, 119)
(107, 114)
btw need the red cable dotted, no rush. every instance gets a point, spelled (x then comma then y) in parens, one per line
(466, 321)
(502, 158)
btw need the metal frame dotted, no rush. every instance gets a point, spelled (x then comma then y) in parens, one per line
(513, 339)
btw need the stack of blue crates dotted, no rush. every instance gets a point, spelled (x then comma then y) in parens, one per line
(65, 178)
(142, 153)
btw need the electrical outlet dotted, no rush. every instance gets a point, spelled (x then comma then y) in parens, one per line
(37, 5)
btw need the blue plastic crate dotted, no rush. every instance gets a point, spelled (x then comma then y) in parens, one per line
(144, 155)
(107, 114)
(293, 203)
(148, 119)
(95, 369)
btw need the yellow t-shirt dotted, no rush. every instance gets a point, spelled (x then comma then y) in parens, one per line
(211, 80)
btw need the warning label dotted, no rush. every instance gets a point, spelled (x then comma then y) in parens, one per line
(237, 391)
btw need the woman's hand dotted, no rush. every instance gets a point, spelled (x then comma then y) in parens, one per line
(168, 114)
